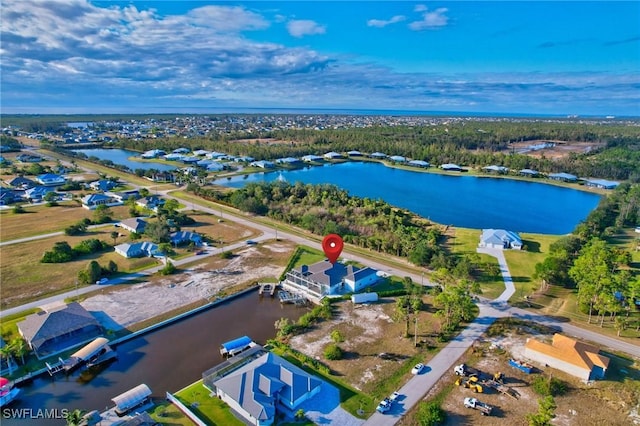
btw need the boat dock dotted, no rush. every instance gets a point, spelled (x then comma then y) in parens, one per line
(95, 353)
(289, 297)
(236, 346)
(268, 288)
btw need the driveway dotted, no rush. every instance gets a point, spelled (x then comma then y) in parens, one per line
(324, 408)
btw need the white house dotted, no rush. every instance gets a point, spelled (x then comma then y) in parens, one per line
(569, 355)
(398, 159)
(332, 155)
(323, 278)
(50, 179)
(91, 201)
(450, 167)
(500, 239)
(154, 153)
(310, 158)
(134, 224)
(261, 388)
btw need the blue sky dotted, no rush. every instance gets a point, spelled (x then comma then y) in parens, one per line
(541, 57)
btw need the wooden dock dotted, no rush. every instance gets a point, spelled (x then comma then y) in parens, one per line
(288, 297)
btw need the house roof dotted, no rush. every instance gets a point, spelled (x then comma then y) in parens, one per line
(495, 168)
(259, 384)
(136, 223)
(566, 176)
(324, 272)
(180, 236)
(398, 158)
(499, 236)
(40, 327)
(528, 172)
(142, 246)
(354, 273)
(20, 181)
(571, 351)
(419, 163)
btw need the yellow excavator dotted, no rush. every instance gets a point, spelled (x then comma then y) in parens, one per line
(470, 382)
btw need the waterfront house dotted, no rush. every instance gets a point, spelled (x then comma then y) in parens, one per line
(263, 164)
(323, 279)
(59, 329)
(419, 163)
(500, 239)
(311, 158)
(174, 156)
(133, 224)
(565, 177)
(398, 159)
(378, 155)
(601, 183)
(50, 179)
(450, 167)
(289, 161)
(496, 169)
(92, 201)
(180, 151)
(354, 153)
(138, 249)
(579, 359)
(215, 166)
(7, 196)
(529, 172)
(333, 155)
(201, 152)
(184, 237)
(264, 386)
(190, 159)
(154, 153)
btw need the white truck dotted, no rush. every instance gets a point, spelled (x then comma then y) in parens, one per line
(384, 406)
(485, 409)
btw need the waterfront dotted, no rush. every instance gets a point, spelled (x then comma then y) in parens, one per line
(121, 156)
(456, 199)
(166, 360)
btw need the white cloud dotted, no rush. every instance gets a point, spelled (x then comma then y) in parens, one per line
(431, 20)
(379, 23)
(304, 27)
(420, 8)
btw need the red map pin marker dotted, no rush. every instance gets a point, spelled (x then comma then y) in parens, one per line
(332, 245)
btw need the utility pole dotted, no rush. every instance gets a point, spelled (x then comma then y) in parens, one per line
(415, 332)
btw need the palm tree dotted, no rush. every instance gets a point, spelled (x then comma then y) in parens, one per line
(19, 348)
(115, 236)
(74, 418)
(7, 352)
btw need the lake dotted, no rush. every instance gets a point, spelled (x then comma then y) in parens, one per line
(121, 156)
(458, 200)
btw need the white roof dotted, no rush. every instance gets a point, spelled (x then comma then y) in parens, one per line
(132, 397)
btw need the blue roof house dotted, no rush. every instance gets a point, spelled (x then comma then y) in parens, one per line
(139, 249)
(500, 239)
(184, 237)
(565, 177)
(50, 179)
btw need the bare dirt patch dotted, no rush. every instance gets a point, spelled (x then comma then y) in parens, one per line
(609, 401)
(553, 149)
(201, 281)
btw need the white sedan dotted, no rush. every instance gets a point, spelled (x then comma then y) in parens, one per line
(417, 368)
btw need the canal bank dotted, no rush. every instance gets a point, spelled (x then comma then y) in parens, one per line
(167, 357)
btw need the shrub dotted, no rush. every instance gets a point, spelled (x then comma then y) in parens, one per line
(336, 336)
(549, 386)
(92, 245)
(168, 269)
(430, 414)
(18, 209)
(226, 255)
(333, 352)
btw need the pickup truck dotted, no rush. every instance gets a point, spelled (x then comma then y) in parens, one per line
(485, 409)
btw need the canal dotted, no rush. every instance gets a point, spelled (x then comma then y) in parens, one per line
(166, 360)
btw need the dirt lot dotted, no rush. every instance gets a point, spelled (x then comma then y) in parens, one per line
(603, 402)
(202, 280)
(553, 149)
(368, 330)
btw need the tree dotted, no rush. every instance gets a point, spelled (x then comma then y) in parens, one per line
(50, 198)
(19, 348)
(430, 414)
(169, 268)
(114, 236)
(336, 336)
(284, 327)
(158, 231)
(112, 267)
(333, 352)
(300, 414)
(7, 353)
(546, 408)
(94, 271)
(144, 192)
(102, 214)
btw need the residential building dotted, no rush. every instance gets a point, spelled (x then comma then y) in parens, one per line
(378, 155)
(450, 167)
(323, 279)
(154, 153)
(133, 224)
(59, 329)
(29, 158)
(7, 196)
(21, 182)
(151, 202)
(419, 163)
(496, 169)
(398, 159)
(50, 179)
(215, 166)
(500, 239)
(312, 158)
(579, 359)
(354, 153)
(263, 164)
(264, 386)
(601, 183)
(37, 193)
(185, 237)
(565, 177)
(91, 201)
(529, 172)
(138, 249)
(103, 185)
(333, 155)
(290, 161)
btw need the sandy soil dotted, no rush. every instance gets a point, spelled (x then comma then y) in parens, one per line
(140, 302)
(560, 150)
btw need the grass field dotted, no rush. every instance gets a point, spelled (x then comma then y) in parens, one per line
(41, 219)
(210, 410)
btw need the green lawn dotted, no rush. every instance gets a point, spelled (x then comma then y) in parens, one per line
(308, 256)
(209, 409)
(168, 414)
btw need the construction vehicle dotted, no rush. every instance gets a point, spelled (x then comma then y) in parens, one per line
(498, 377)
(485, 409)
(464, 370)
(469, 383)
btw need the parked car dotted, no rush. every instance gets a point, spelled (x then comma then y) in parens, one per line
(384, 406)
(102, 281)
(394, 396)
(251, 242)
(417, 368)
